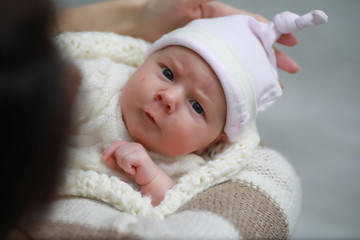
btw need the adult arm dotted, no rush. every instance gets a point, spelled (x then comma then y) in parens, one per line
(146, 19)
(284, 62)
(150, 19)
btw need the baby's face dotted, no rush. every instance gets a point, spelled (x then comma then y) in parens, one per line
(174, 104)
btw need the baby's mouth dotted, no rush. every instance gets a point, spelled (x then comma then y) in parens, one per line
(150, 118)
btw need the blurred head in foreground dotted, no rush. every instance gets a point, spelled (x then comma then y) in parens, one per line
(36, 95)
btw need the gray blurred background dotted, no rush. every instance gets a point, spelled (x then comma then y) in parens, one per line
(316, 123)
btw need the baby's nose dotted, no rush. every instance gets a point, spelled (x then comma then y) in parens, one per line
(170, 98)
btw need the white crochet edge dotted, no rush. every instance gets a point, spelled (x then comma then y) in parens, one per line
(122, 196)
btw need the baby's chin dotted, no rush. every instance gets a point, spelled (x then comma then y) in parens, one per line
(161, 147)
(171, 151)
(166, 151)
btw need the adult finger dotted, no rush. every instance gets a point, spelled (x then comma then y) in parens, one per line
(197, 2)
(286, 63)
(281, 85)
(194, 8)
(288, 40)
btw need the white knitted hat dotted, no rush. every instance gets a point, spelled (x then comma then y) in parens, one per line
(239, 50)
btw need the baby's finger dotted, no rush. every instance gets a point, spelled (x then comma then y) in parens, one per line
(109, 151)
(111, 161)
(127, 163)
(125, 158)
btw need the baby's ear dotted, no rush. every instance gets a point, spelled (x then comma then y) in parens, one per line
(221, 137)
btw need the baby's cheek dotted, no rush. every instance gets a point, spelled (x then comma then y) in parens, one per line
(185, 143)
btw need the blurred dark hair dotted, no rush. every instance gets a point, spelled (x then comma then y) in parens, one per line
(35, 100)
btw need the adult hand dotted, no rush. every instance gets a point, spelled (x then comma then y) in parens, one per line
(158, 17)
(284, 62)
(150, 19)
(146, 19)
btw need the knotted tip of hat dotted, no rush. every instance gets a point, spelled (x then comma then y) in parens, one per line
(288, 22)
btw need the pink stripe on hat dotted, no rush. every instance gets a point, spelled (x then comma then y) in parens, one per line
(239, 50)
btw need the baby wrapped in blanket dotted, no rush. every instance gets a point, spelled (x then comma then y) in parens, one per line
(148, 134)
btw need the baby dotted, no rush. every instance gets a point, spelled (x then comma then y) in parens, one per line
(199, 85)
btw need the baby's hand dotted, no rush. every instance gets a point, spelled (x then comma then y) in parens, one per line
(132, 158)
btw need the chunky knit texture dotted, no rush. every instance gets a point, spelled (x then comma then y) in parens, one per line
(245, 190)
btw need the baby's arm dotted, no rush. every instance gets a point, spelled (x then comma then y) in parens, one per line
(133, 159)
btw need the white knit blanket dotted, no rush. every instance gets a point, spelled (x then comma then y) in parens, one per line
(106, 61)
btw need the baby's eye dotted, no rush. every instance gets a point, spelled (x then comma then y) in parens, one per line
(167, 73)
(197, 107)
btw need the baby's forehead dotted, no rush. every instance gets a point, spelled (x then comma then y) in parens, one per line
(187, 60)
(172, 50)
(179, 53)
